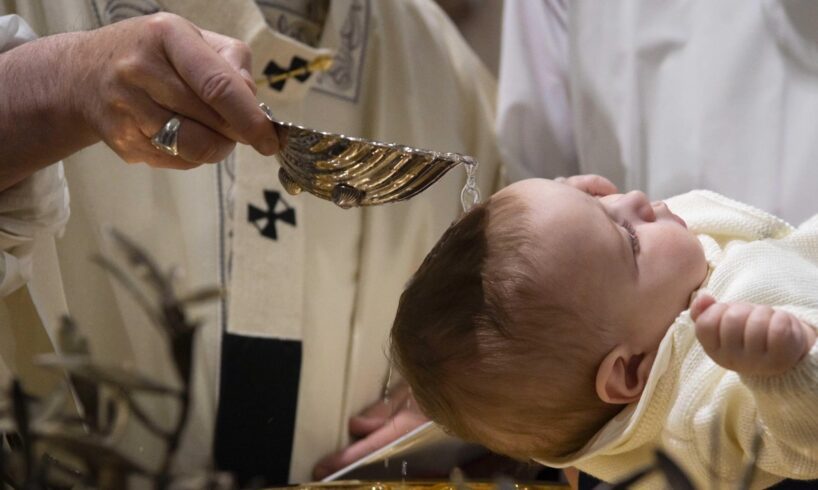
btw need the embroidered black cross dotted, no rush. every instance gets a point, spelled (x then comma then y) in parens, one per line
(277, 210)
(273, 70)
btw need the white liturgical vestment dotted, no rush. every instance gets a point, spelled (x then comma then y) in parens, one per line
(298, 342)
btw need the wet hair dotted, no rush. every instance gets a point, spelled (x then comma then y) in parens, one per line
(495, 352)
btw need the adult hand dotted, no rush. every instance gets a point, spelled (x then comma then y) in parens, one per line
(750, 339)
(375, 427)
(595, 185)
(133, 76)
(121, 84)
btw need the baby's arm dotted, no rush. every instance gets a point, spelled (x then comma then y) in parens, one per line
(774, 354)
(752, 340)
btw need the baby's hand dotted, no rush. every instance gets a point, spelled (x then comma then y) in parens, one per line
(750, 339)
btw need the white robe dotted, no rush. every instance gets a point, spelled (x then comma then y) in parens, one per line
(410, 78)
(31, 213)
(666, 96)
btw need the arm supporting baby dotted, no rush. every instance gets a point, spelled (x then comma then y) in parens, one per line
(774, 354)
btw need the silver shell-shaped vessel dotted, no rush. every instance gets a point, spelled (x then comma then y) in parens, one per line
(353, 171)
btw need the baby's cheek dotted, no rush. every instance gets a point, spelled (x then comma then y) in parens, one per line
(684, 246)
(695, 255)
(678, 252)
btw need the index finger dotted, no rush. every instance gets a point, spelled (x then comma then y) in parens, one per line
(235, 52)
(399, 426)
(212, 78)
(595, 185)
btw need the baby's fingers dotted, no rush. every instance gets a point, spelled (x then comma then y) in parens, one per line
(755, 333)
(707, 324)
(702, 302)
(720, 330)
(785, 341)
(731, 330)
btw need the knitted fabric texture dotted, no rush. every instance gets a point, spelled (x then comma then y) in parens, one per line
(704, 416)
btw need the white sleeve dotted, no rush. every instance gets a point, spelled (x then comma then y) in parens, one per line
(38, 205)
(534, 120)
(788, 419)
(13, 32)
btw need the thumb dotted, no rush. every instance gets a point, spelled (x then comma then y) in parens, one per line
(236, 53)
(702, 302)
(362, 425)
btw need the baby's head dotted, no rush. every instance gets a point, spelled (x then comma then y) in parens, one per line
(537, 315)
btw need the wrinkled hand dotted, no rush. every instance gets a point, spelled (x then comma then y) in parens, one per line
(130, 78)
(750, 339)
(375, 427)
(595, 185)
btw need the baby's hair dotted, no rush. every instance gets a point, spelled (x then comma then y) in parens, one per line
(493, 352)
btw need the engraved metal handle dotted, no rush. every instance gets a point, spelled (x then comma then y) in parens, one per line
(356, 172)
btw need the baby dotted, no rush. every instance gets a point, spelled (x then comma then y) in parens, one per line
(551, 324)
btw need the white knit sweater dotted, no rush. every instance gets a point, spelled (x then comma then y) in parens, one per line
(704, 416)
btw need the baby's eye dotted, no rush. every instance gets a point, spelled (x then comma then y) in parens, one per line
(632, 235)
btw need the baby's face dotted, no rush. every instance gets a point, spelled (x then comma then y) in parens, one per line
(632, 261)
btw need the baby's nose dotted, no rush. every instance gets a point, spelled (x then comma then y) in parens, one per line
(640, 205)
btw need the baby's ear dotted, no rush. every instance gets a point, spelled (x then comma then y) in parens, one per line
(622, 375)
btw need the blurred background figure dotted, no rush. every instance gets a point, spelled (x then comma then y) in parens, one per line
(665, 97)
(480, 22)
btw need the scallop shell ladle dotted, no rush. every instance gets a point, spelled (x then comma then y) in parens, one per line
(353, 171)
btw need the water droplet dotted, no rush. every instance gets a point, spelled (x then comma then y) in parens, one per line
(470, 195)
(386, 383)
